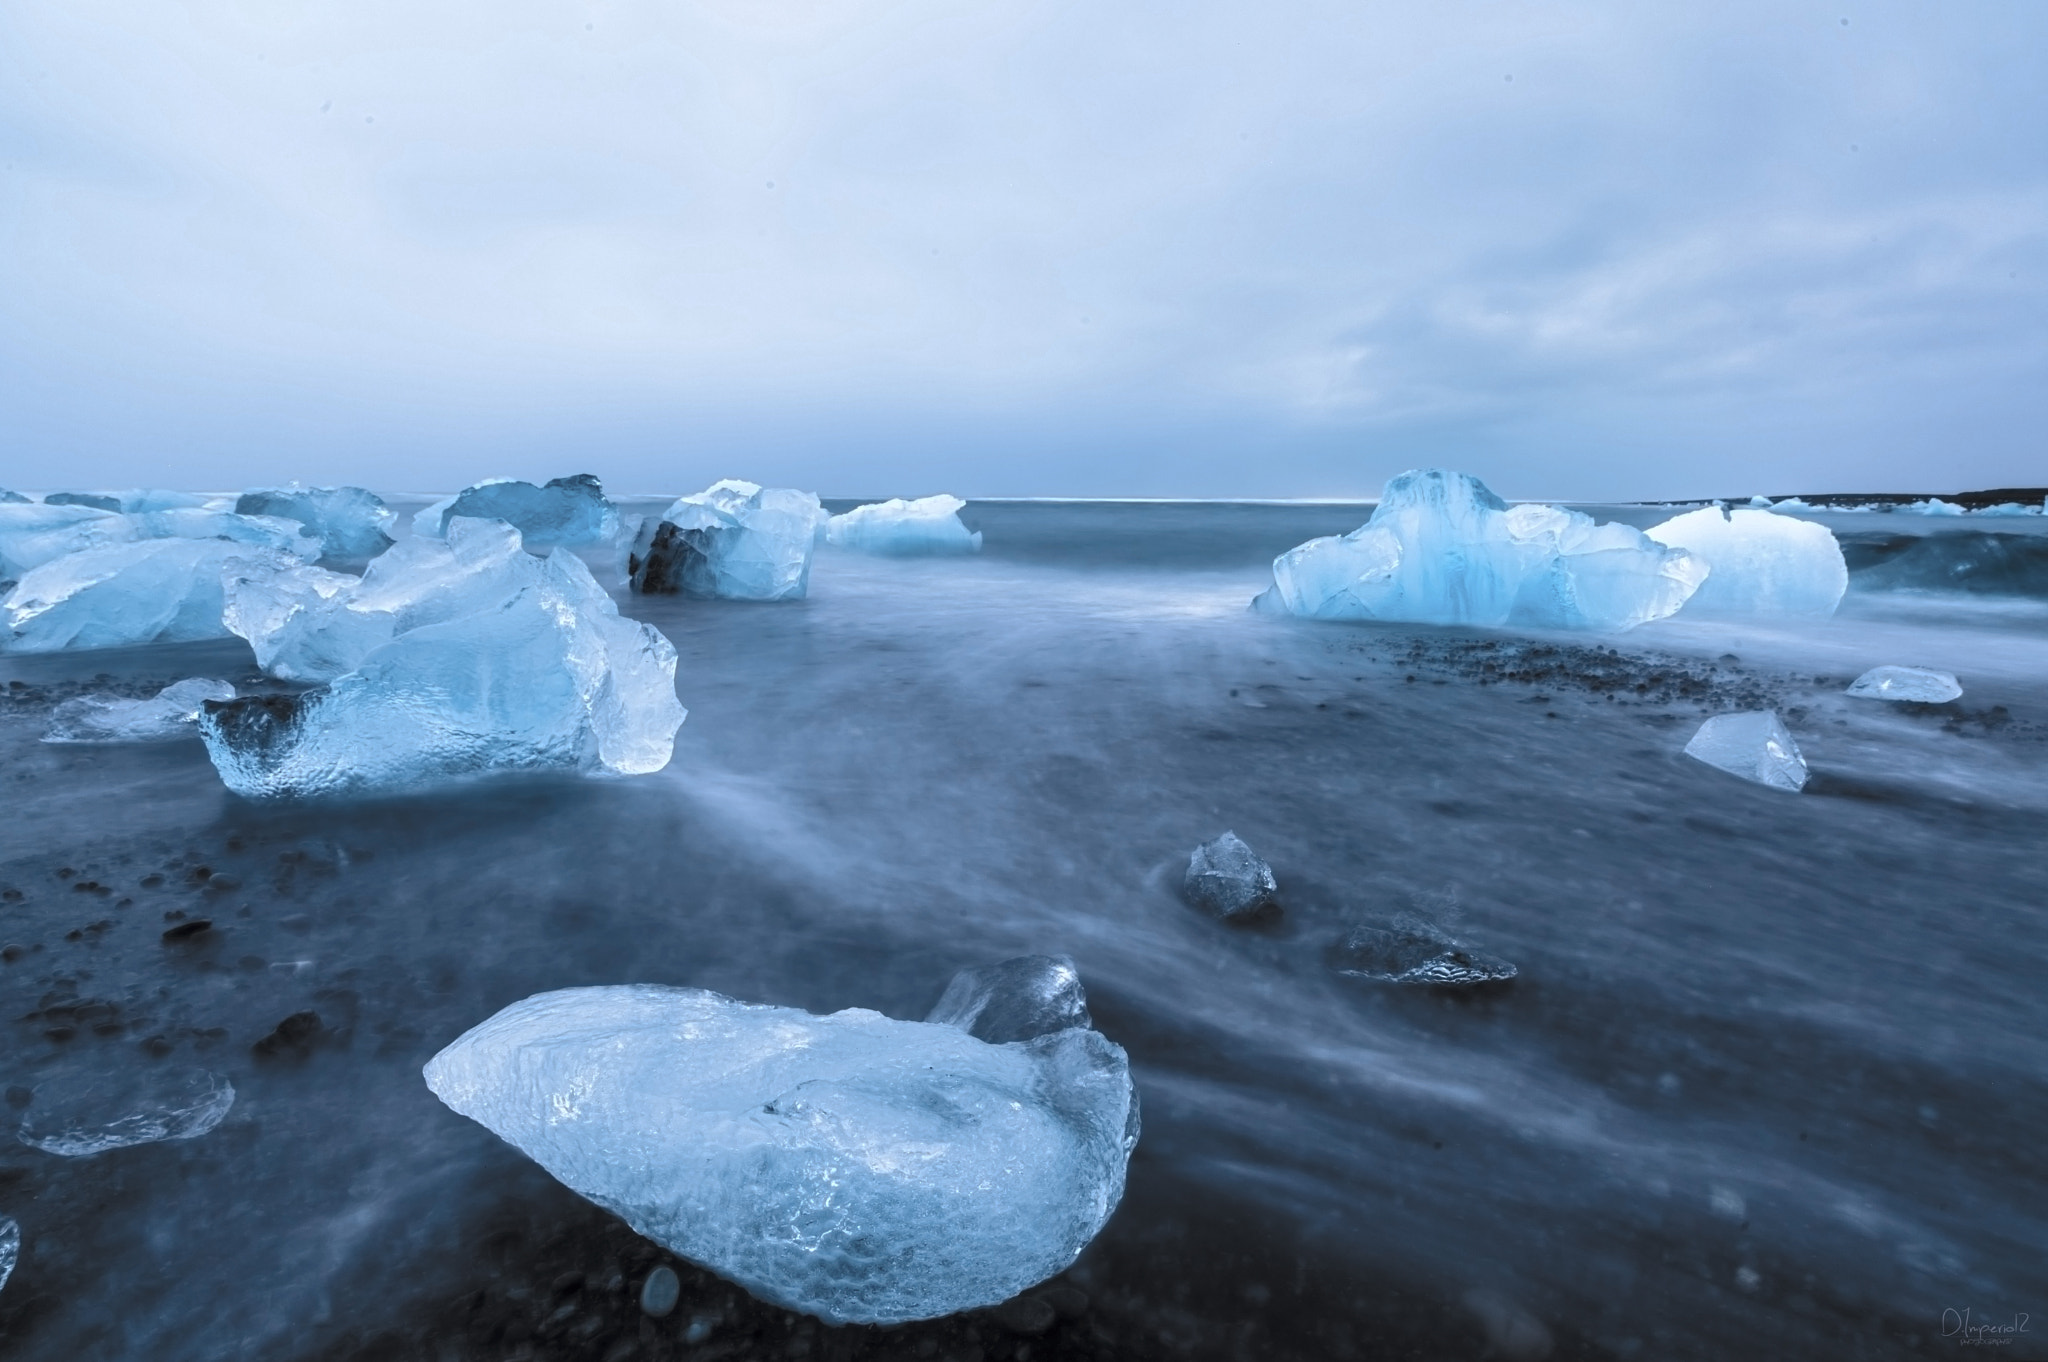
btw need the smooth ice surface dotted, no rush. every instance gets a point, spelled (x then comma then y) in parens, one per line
(10, 1248)
(567, 512)
(1020, 999)
(734, 541)
(928, 525)
(352, 523)
(1413, 950)
(1227, 878)
(1923, 684)
(1754, 745)
(171, 713)
(148, 591)
(850, 1166)
(128, 502)
(475, 657)
(1441, 548)
(1763, 564)
(113, 1112)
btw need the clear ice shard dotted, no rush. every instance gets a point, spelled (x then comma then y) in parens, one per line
(459, 658)
(567, 512)
(1441, 548)
(1018, 999)
(928, 525)
(352, 523)
(850, 1166)
(147, 591)
(1227, 878)
(94, 1115)
(1754, 745)
(1922, 684)
(171, 713)
(1413, 950)
(733, 541)
(1763, 564)
(10, 1247)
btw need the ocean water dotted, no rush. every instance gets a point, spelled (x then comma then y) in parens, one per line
(1770, 1080)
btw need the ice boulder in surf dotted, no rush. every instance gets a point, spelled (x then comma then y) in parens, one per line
(1920, 684)
(1227, 878)
(567, 512)
(850, 1166)
(147, 591)
(1441, 548)
(171, 713)
(899, 528)
(1753, 745)
(1413, 950)
(350, 521)
(1763, 564)
(1017, 999)
(733, 541)
(456, 659)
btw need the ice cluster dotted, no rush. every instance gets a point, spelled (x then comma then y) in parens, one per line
(8, 497)
(1441, 548)
(172, 712)
(567, 512)
(1931, 506)
(1413, 950)
(734, 541)
(350, 521)
(445, 659)
(129, 502)
(94, 1115)
(146, 591)
(1227, 878)
(32, 535)
(852, 1167)
(928, 525)
(1922, 684)
(1762, 564)
(1753, 745)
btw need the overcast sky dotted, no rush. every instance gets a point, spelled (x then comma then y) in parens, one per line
(1026, 247)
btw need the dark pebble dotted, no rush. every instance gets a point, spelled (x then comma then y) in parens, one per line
(1026, 1315)
(185, 931)
(294, 1035)
(12, 952)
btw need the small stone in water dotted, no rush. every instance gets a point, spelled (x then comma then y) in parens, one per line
(1027, 1315)
(661, 1291)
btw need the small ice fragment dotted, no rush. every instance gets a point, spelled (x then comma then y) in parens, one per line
(1410, 950)
(171, 713)
(928, 525)
(733, 541)
(10, 1247)
(1922, 684)
(1763, 564)
(1020, 999)
(1227, 878)
(147, 591)
(350, 521)
(852, 1167)
(661, 1291)
(565, 513)
(1753, 745)
(1762, 503)
(108, 1112)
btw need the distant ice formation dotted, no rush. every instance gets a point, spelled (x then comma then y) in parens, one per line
(171, 713)
(1441, 548)
(11, 498)
(129, 502)
(1753, 745)
(567, 512)
(92, 1115)
(853, 1167)
(1412, 950)
(351, 522)
(928, 525)
(146, 591)
(1227, 878)
(1922, 684)
(1931, 506)
(1763, 564)
(445, 660)
(734, 541)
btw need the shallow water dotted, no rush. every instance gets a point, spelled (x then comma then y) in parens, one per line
(1770, 1079)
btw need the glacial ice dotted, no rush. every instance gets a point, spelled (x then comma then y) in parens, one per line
(1227, 878)
(129, 502)
(928, 525)
(1754, 745)
(1412, 950)
(1931, 506)
(1922, 684)
(850, 1166)
(1763, 564)
(456, 658)
(352, 523)
(32, 535)
(1441, 548)
(147, 591)
(2005, 508)
(735, 541)
(10, 1247)
(1018, 999)
(171, 713)
(94, 1115)
(8, 497)
(564, 513)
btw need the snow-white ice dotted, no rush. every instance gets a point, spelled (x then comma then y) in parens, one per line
(171, 713)
(1441, 548)
(567, 512)
(1753, 745)
(147, 591)
(1018, 999)
(87, 1116)
(1227, 878)
(1922, 684)
(928, 525)
(850, 1166)
(352, 523)
(457, 658)
(1762, 564)
(735, 541)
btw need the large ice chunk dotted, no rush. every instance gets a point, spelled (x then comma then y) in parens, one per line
(1753, 745)
(133, 500)
(928, 525)
(149, 591)
(564, 513)
(92, 1115)
(1227, 878)
(1441, 548)
(1922, 684)
(32, 535)
(1763, 564)
(475, 657)
(350, 521)
(735, 540)
(850, 1166)
(1018, 999)
(171, 713)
